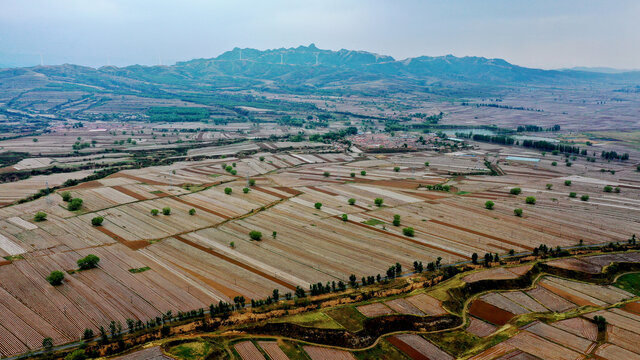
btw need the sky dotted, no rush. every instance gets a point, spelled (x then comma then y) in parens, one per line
(541, 33)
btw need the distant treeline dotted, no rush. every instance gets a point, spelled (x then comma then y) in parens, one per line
(177, 114)
(536, 128)
(503, 107)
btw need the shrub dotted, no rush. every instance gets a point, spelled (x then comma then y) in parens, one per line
(255, 235)
(378, 201)
(88, 262)
(97, 221)
(517, 212)
(408, 231)
(252, 182)
(515, 191)
(426, 164)
(584, 197)
(530, 200)
(228, 190)
(66, 196)
(345, 217)
(326, 174)
(318, 205)
(608, 188)
(554, 163)
(74, 204)
(567, 183)
(363, 173)
(55, 278)
(47, 343)
(154, 212)
(489, 204)
(245, 190)
(396, 169)
(572, 194)
(616, 190)
(233, 172)
(351, 201)
(166, 211)
(40, 216)
(568, 163)
(396, 220)
(353, 174)
(261, 158)
(192, 211)
(549, 186)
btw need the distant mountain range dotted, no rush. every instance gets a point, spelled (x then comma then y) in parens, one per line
(306, 69)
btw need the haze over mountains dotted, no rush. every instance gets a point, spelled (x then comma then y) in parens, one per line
(305, 68)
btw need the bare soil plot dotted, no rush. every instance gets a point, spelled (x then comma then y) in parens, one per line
(375, 309)
(623, 338)
(550, 300)
(248, 351)
(417, 347)
(579, 326)
(497, 274)
(427, 304)
(575, 264)
(490, 313)
(613, 352)
(273, 350)
(560, 336)
(323, 353)
(480, 328)
(495, 352)
(153, 353)
(542, 348)
(498, 300)
(403, 306)
(524, 300)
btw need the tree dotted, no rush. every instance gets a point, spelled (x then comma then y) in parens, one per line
(549, 186)
(617, 190)
(555, 163)
(515, 191)
(378, 201)
(66, 196)
(261, 158)
(396, 169)
(352, 174)
(352, 280)
(276, 294)
(47, 343)
(351, 201)
(572, 194)
(608, 188)
(584, 197)
(530, 200)
(88, 262)
(326, 174)
(40, 216)
(166, 211)
(245, 190)
(426, 164)
(396, 220)
(601, 322)
(274, 234)
(255, 235)
(474, 258)
(408, 231)
(74, 204)
(252, 182)
(363, 173)
(154, 212)
(317, 205)
(97, 221)
(228, 190)
(489, 204)
(192, 211)
(517, 212)
(567, 183)
(300, 292)
(76, 355)
(487, 259)
(88, 334)
(55, 278)
(345, 218)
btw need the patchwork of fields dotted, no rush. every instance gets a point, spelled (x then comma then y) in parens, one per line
(197, 259)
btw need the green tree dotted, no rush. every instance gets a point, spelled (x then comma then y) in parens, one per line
(396, 169)
(97, 221)
(572, 194)
(326, 174)
(317, 205)
(489, 204)
(252, 182)
(515, 191)
(353, 174)
(166, 211)
(74, 204)
(245, 190)
(88, 334)
(88, 262)
(261, 158)
(408, 231)
(255, 235)
(192, 211)
(426, 164)
(378, 201)
(155, 212)
(530, 200)
(55, 278)
(517, 212)
(363, 173)
(549, 186)
(474, 258)
(66, 196)
(555, 163)
(47, 343)
(396, 220)
(345, 217)
(567, 183)
(584, 197)
(76, 355)
(40, 216)
(616, 190)
(608, 188)
(351, 201)
(228, 190)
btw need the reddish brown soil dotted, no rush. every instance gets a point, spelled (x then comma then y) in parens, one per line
(405, 348)
(574, 299)
(179, 199)
(133, 245)
(490, 313)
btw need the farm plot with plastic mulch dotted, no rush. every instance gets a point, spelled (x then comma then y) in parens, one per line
(542, 348)
(480, 328)
(322, 353)
(248, 351)
(561, 337)
(417, 347)
(273, 350)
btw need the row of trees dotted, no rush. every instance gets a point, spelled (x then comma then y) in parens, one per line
(90, 261)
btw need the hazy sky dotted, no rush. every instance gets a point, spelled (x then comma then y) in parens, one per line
(540, 33)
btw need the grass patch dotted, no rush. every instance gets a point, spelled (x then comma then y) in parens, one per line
(13, 257)
(139, 270)
(383, 350)
(455, 342)
(373, 222)
(192, 350)
(214, 175)
(350, 318)
(315, 319)
(293, 350)
(157, 192)
(630, 283)
(463, 192)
